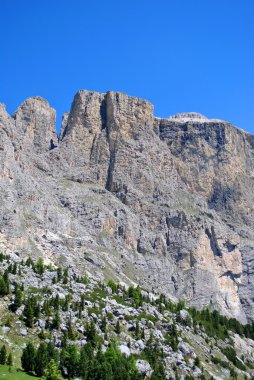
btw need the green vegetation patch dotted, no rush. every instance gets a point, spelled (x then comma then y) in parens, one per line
(14, 374)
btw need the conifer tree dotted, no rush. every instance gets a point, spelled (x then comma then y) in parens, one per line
(46, 308)
(3, 355)
(52, 371)
(17, 298)
(28, 358)
(91, 332)
(14, 268)
(59, 274)
(137, 330)
(73, 366)
(102, 368)
(41, 360)
(65, 276)
(29, 313)
(56, 321)
(56, 302)
(9, 360)
(70, 330)
(86, 361)
(118, 327)
(52, 352)
(39, 266)
(82, 301)
(104, 324)
(2, 286)
(159, 372)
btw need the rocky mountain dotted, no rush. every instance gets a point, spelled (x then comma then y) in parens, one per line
(163, 203)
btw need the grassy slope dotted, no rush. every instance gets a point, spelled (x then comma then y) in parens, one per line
(14, 375)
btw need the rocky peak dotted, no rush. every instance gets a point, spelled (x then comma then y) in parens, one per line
(35, 124)
(189, 117)
(128, 115)
(86, 115)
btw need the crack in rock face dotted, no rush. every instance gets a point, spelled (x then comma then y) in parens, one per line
(164, 203)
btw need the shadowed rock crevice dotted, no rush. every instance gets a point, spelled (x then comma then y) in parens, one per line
(213, 241)
(110, 172)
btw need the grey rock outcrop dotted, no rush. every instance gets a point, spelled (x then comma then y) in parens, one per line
(166, 203)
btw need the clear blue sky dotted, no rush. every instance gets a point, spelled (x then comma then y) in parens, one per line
(182, 55)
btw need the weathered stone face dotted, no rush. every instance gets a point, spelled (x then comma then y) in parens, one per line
(167, 203)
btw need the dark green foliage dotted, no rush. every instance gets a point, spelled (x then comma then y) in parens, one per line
(91, 332)
(2, 286)
(17, 298)
(29, 262)
(56, 302)
(56, 321)
(122, 368)
(82, 302)
(6, 281)
(69, 361)
(71, 332)
(135, 295)
(104, 324)
(212, 322)
(153, 354)
(28, 358)
(218, 325)
(39, 266)
(52, 372)
(180, 305)
(2, 257)
(41, 360)
(197, 361)
(86, 361)
(172, 337)
(52, 352)
(29, 314)
(3, 355)
(159, 372)
(31, 311)
(14, 268)
(111, 365)
(9, 360)
(112, 285)
(230, 353)
(137, 330)
(59, 274)
(225, 364)
(46, 308)
(84, 280)
(118, 327)
(65, 276)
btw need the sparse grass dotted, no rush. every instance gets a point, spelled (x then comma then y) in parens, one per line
(103, 234)
(120, 300)
(147, 317)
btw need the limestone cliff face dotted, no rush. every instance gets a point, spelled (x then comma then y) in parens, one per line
(166, 203)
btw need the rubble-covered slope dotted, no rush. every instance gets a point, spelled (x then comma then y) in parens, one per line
(164, 203)
(82, 323)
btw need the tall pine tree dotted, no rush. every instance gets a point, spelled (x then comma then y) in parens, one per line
(28, 358)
